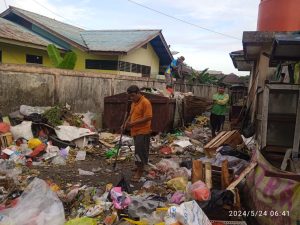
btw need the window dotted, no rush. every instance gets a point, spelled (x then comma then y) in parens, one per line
(136, 68)
(146, 71)
(101, 64)
(113, 65)
(125, 66)
(34, 59)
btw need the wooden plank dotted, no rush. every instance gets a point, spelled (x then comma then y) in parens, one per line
(283, 87)
(234, 140)
(292, 166)
(218, 168)
(222, 139)
(225, 175)
(214, 140)
(259, 117)
(296, 144)
(285, 159)
(208, 178)
(246, 171)
(296, 163)
(265, 111)
(197, 171)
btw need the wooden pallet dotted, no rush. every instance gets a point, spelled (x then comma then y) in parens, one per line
(214, 176)
(232, 138)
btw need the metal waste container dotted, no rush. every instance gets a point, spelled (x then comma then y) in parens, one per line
(163, 109)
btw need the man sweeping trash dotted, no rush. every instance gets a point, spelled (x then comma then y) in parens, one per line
(139, 122)
(217, 116)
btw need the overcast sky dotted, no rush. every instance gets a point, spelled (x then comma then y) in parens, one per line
(201, 48)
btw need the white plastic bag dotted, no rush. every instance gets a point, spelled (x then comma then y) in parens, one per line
(59, 160)
(85, 172)
(22, 130)
(70, 133)
(38, 205)
(80, 155)
(26, 110)
(188, 213)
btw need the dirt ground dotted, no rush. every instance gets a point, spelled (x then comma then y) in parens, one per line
(68, 175)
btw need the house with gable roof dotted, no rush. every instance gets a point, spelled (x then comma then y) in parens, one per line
(138, 53)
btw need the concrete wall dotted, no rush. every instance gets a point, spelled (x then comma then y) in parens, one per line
(84, 91)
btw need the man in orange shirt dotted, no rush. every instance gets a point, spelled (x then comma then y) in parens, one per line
(139, 122)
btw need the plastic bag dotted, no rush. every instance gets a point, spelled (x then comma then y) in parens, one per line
(149, 184)
(178, 183)
(70, 133)
(85, 172)
(89, 119)
(33, 143)
(82, 221)
(181, 172)
(27, 110)
(4, 127)
(38, 205)
(22, 130)
(166, 165)
(188, 213)
(178, 197)
(199, 191)
(120, 199)
(52, 149)
(80, 155)
(141, 207)
(38, 150)
(59, 160)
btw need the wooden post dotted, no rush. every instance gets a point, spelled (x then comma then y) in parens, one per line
(285, 159)
(265, 112)
(296, 144)
(197, 171)
(225, 175)
(208, 178)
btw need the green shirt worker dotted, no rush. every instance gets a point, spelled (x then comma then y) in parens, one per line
(217, 116)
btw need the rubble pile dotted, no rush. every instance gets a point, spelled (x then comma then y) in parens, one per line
(182, 183)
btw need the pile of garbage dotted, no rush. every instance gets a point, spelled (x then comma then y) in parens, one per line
(182, 184)
(34, 135)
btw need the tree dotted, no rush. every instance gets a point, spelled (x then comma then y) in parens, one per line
(66, 62)
(202, 77)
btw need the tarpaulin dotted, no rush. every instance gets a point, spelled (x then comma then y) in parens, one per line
(273, 200)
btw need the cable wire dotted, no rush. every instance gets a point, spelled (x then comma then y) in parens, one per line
(5, 3)
(55, 13)
(183, 21)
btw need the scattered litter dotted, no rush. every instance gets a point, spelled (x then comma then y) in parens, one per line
(80, 155)
(84, 172)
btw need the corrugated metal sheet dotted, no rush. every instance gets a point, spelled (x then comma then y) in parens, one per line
(66, 30)
(12, 31)
(116, 40)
